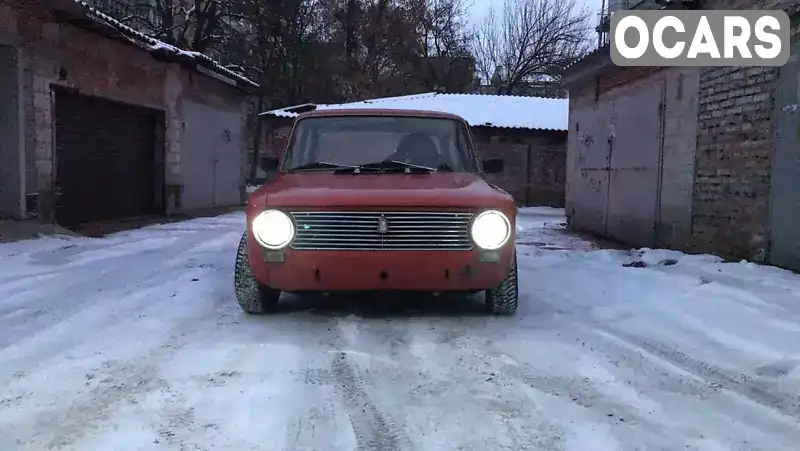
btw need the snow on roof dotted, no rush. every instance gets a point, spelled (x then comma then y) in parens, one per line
(479, 110)
(162, 48)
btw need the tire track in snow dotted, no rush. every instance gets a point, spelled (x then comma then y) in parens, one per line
(374, 427)
(461, 364)
(680, 388)
(758, 390)
(609, 406)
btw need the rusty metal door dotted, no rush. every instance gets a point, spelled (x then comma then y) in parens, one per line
(106, 165)
(784, 196)
(587, 181)
(634, 169)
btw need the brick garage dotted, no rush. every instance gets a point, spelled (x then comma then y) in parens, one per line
(535, 163)
(724, 165)
(534, 152)
(69, 70)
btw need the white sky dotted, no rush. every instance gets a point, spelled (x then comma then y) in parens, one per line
(479, 7)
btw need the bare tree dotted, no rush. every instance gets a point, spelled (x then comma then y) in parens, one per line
(529, 41)
(444, 28)
(444, 40)
(195, 25)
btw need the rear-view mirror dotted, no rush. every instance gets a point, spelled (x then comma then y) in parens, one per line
(493, 165)
(268, 164)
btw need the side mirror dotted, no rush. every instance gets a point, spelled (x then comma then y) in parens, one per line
(269, 164)
(493, 165)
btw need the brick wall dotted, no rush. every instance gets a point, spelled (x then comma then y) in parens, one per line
(734, 146)
(58, 54)
(535, 163)
(735, 142)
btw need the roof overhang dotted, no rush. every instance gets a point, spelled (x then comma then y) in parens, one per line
(589, 66)
(80, 14)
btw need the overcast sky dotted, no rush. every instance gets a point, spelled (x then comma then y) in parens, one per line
(479, 7)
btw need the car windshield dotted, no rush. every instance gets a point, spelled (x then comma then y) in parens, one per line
(329, 143)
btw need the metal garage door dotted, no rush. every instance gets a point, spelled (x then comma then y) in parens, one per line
(105, 160)
(634, 166)
(212, 157)
(587, 180)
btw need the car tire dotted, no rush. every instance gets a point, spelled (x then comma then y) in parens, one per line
(503, 299)
(253, 297)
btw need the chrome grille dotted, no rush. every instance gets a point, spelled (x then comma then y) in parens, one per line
(334, 230)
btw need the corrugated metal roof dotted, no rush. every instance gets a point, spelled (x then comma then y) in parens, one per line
(479, 110)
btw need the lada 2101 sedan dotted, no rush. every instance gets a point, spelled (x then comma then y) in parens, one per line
(378, 200)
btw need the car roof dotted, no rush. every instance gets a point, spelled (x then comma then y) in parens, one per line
(340, 112)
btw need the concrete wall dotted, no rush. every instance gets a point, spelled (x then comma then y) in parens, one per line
(59, 54)
(535, 161)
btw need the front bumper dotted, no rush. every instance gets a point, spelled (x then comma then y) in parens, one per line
(331, 271)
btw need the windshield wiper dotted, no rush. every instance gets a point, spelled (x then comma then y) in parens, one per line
(321, 165)
(387, 166)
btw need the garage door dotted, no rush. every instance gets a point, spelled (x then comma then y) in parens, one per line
(106, 160)
(634, 166)
(212, 157)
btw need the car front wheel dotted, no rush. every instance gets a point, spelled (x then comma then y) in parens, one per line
(503, 299)
(253, 297)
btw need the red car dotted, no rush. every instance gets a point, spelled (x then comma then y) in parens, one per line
(378, 200)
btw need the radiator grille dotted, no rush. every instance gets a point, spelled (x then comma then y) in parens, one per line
(331, 230)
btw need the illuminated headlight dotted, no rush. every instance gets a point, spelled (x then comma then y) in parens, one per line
(273, 229)
(490, 230)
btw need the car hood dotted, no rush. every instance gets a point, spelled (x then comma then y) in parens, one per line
(326, 189)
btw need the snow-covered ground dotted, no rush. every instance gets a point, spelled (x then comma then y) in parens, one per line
(134, 342)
